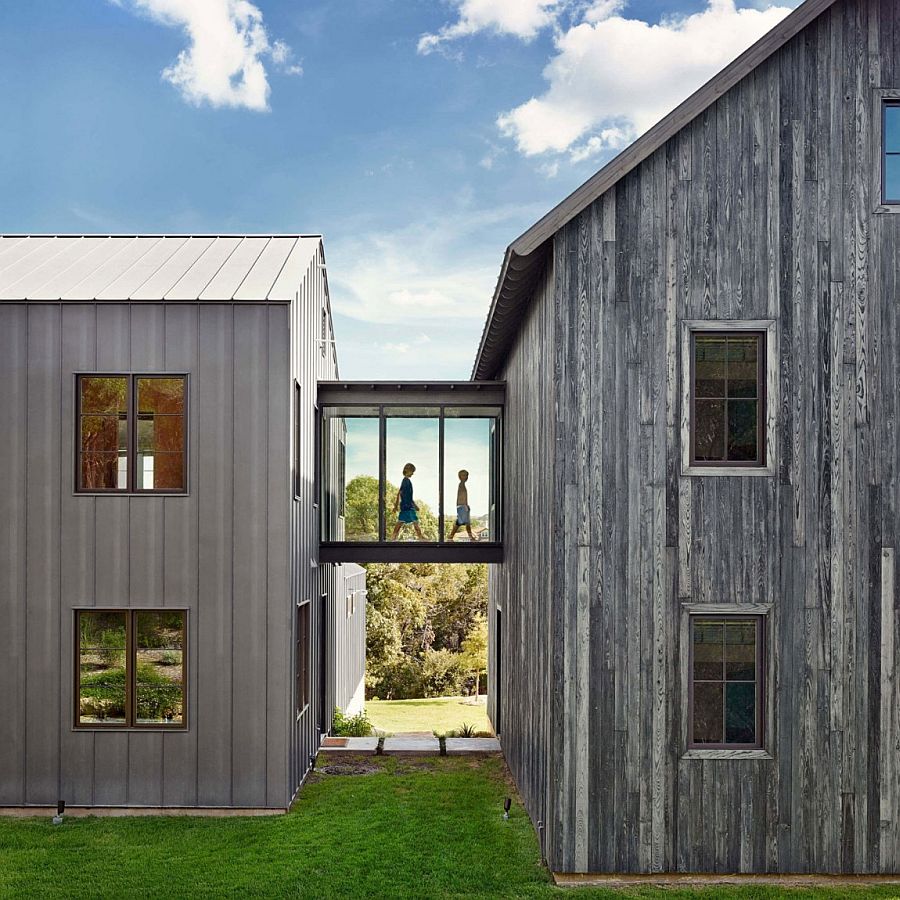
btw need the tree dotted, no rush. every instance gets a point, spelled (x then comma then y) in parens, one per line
(361, 510)
(474, 650)
(418, 617)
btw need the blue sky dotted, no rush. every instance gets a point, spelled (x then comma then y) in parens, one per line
(419, 136)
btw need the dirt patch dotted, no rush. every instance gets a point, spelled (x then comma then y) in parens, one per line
(354, 768)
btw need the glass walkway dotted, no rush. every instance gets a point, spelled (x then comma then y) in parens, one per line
(411, 472)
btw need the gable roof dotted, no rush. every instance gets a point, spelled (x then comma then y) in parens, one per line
(525, 257)
(211, 268)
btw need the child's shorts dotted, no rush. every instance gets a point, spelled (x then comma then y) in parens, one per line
(462, 515)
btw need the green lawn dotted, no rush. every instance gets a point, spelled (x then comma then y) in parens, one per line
(440, 714)
(378, 827)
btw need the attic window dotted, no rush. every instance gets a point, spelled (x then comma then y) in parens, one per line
(891, 156)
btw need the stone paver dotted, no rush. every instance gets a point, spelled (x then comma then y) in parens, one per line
(354, 745)
(461, 746)
(412, 746)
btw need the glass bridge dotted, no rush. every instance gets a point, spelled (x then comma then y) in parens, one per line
(411, 472)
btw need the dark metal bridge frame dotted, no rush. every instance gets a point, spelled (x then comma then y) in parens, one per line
(428, 395)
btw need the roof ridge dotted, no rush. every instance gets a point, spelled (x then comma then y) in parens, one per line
(631, 157)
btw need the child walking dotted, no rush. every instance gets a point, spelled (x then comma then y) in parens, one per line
(404, 501)
(463, 510)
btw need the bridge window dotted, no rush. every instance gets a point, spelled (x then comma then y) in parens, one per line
(398, 474)
(412, 475)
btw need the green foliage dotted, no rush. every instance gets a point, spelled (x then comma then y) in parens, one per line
(474, 650)
(361, 509)
(112, 651)
(465, 731)
(417, 619)
(350, 726)
(103, 694)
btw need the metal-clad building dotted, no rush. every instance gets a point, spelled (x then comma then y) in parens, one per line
(695, 627)
(241, 326)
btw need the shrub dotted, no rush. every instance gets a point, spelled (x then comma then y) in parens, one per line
(350, 726)
(465, 731)
(111, 652)
(103, 693)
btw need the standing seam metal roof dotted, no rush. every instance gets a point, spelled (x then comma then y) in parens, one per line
(145, 267)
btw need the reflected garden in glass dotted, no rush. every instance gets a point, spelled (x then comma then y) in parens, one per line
(131, 668)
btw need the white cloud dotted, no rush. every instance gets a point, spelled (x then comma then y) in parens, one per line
(438, 269)
(520, 18)
(613, 77)
(223, 64)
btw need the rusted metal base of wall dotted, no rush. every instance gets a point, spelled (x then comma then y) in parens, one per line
(31, 812)
(697, 879)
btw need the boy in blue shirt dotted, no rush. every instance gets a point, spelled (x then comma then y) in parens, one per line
(404, 500)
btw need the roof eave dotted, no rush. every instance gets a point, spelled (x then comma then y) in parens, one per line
(544, 229)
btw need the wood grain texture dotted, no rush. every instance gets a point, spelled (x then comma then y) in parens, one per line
(761, 210)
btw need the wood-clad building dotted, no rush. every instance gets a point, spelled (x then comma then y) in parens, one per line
(164, 638)
(695, 628)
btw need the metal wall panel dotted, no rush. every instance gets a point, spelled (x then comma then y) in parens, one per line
(223, 551)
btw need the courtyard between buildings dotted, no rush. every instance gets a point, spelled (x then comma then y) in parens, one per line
(363, 827)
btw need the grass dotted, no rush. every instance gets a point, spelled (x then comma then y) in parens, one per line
(394, 828)
(440, 714)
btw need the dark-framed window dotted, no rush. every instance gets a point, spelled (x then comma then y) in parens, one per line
(890, 160)
(728, 398)
(726, 684)
(131, 434)
(131, 668)
(302, 651)
(298, 467)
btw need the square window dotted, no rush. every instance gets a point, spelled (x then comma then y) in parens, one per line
(727, 397)
(726, 677)
(131, 667)
(131, 434)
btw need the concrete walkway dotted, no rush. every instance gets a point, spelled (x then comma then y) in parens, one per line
(416, 744)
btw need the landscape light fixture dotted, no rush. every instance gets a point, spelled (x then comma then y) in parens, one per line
(507, 803)
(60, 809)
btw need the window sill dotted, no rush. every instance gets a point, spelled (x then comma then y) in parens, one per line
(697, 753)
(887, 209)
(725, 471)
(131, 493)
(131, 729)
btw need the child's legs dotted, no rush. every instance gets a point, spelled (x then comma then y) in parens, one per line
(397, 528)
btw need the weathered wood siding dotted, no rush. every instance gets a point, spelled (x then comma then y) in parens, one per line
(523, 587)
(221, 551)
(761, 208)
